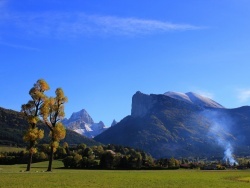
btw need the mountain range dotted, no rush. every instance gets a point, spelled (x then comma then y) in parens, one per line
(172, 124)
(82, 123)
(182, 125)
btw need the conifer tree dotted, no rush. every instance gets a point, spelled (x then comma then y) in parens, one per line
(31, 110)
(53, 112)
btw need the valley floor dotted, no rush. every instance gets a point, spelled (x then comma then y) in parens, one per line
(15, 176)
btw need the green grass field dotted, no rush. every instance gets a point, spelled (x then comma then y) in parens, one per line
(12, 176)
(10, 149)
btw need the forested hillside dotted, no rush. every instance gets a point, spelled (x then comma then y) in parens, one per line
(13, 125)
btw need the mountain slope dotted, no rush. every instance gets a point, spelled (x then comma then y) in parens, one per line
(13, 125)
(165, 126)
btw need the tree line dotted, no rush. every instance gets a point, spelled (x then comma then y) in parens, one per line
(42, 154)
(107, 157)
(83, 157)
(114, 157)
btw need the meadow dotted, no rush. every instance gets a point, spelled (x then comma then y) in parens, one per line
(12, 176)
(10, 149)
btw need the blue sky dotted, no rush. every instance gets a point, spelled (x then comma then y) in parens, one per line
(102, 52)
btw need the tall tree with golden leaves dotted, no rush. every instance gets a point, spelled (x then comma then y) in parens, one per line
(52, 112)
(31, 110)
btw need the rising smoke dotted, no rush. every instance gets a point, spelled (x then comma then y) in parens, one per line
(219, 124)
(228, 155)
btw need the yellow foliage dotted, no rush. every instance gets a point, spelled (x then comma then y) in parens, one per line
(33, 120)
(43, 84)
(54, 145)
(40, 134)
(60, 94)
(45, 109)
(52, 109)
(33, 134)
(37, 91)
(32, 150)
(61, 111)
(59, 132)
(40, 95)
(51, 101)
(65, 145)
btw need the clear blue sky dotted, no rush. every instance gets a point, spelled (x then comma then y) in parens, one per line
(102, 52)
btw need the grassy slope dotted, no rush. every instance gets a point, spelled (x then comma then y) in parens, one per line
(103, 178)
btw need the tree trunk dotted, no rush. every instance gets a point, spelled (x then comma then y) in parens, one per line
(32, 144)
(29, 162)
(50, 160)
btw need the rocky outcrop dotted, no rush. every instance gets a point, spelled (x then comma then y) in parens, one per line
(113, 123)
(141, 104)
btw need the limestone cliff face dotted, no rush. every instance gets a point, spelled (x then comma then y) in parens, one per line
(141, 104)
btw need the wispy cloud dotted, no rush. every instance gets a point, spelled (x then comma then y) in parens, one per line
(19, 46)
(136, 26)
(58, 25)
(244, 95)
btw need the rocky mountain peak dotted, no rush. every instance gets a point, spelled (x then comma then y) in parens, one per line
(81, 116)
(101, 124)
(113, 123)
(82, 123)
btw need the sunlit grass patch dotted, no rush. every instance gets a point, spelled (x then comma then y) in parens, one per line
(10, 149)
(15, 176)
(244, 179)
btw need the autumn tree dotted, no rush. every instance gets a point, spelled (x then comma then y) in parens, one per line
(52, 112)
(31, 110)
(66, 147)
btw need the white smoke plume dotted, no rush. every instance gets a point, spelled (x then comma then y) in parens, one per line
(228, 155)
(220, 130)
